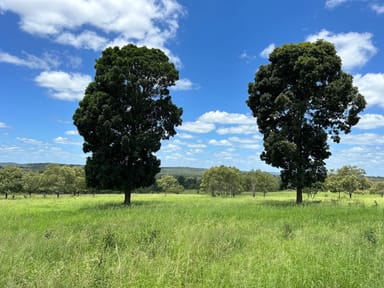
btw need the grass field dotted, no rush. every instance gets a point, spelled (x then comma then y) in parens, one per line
(192, 241)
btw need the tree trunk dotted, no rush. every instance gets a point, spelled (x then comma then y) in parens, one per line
(299, 195)
(127, 198)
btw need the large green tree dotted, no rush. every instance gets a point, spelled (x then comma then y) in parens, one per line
(126, 111)
(298, 99)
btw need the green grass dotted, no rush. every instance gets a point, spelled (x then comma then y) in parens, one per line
(192, 241)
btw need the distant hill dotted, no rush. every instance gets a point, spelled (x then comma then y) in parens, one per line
(182, 171)
(32, 166)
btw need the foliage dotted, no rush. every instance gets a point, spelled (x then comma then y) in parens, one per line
(11, 180)
(259, 181)
(126, 111)
(349, 179)
(169, 184)
(57, 179)
(189, 182)
(222, 180)
(297, 99)
(378, 188)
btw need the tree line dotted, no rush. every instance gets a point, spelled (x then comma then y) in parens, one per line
(220, 181)
(54, 179)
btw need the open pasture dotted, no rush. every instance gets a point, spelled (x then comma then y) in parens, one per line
(192, 241)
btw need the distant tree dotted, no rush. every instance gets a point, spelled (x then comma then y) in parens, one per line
(52, 180)
(222, 180)
(169, 184)
(31, 182)
(80, 184)
(259, 181)
(314, 189)
(125, 113)
(348, 179)
(11, 180)
(297, 99)
(378, 188)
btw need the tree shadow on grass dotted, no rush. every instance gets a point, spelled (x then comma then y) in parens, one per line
(120, 205)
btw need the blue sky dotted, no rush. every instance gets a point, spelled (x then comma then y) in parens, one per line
(48, 50)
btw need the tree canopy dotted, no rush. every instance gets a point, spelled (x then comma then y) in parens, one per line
(348, 179)
(299, 99)
(126, 111)
(222, 180)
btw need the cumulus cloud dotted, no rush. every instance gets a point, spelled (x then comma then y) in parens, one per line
(371, 121)
(197, 127)
(240, 129)
(268, 50)
(371, 85)
(208, 122)
(62, 85)
(150, 23)
(3, 125)
(222, 142)
(355, 49)
(222, 117)
(86, 40)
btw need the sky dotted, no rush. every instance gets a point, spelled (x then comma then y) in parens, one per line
(48, 50)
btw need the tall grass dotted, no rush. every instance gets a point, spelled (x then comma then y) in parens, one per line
(191, 241)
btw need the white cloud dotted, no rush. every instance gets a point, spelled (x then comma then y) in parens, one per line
(222, 117)
(197, 127)
(3, 125)
(184, 136)
(222, 142)
(86, 40)
(363, 139)
(62, 85)
(334, 3)
(240, 129)
(65, 141)
(71, 132)
(151, 23)
(371, 121)
(371, 85)
(355, 49)
(184, 84)
(46, 61)
(268, 50)
(379, 9)
(208, 121)
(29, 141)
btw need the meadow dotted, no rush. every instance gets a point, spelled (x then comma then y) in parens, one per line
(192, 241)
